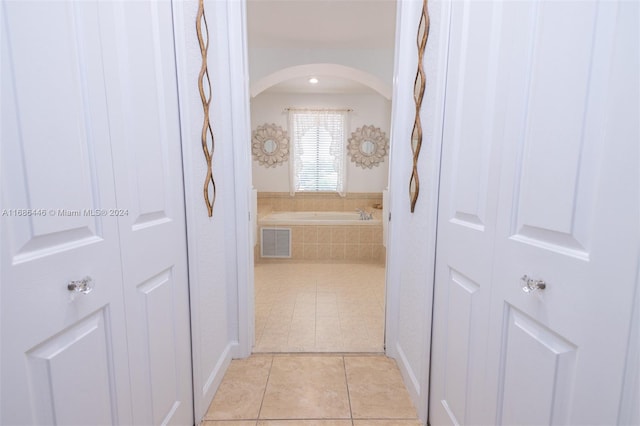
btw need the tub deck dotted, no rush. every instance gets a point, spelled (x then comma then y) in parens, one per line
(317, 218)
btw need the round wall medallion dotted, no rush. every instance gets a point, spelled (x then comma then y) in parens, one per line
(270, 145)
(368, 146)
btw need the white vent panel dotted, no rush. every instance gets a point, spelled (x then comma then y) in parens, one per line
(275, 242)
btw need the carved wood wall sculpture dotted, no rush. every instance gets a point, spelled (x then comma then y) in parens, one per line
(418, 94)
(208, 143)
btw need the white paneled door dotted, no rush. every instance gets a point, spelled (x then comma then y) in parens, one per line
(539, 178)
(143, 113)
(92, 187)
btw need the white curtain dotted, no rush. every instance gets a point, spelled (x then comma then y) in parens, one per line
(318, 159)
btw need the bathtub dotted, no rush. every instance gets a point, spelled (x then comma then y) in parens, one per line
(320, 236)
(317, 218)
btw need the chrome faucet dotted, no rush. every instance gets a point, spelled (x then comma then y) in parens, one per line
(364, 215)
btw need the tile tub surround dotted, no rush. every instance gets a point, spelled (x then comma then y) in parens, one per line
(312, 390)
(327, 243)
(317, 201)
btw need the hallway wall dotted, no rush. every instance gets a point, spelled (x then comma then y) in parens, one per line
(412, 235)
(217, 278)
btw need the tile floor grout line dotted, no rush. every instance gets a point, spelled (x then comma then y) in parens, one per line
(322, 419)
(315, 317)
(264, 392)
(346, 381)
(293, 312)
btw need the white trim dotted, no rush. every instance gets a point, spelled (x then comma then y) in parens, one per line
(179, 33)
(629, 413)
(230, 118)
(210, 386)
(241, 135)
(408, 374)
(401, 90)
(332, 70)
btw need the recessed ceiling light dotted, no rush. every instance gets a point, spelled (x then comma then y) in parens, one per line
(313, 80)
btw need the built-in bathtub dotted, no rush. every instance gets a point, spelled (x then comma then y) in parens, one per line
(318, 218)
(326, 236)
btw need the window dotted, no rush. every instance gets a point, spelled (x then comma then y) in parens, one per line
(318, 145)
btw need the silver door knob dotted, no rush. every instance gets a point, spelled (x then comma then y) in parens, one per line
(531, 285)
(84, 286)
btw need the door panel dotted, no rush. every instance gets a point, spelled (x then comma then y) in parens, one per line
(156, 307)
(460, 334)
(90, 135)
(557, 126)
(564, 167)
(87, 395)
(470, 122)
(584, 246)
(535, 360)
(63, 357)
(143, 112)
(558, 62)
(69, 132)
(467, 202)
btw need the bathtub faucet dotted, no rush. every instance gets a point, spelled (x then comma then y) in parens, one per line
(364, 215)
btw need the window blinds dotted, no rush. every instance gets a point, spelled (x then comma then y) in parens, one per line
(318, 150)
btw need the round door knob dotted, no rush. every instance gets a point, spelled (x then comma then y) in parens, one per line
(531, 285)
(84, 286)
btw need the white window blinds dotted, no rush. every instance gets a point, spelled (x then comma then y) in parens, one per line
(319, 152)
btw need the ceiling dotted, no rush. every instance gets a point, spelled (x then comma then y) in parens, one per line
(321, 24)
(326, 84)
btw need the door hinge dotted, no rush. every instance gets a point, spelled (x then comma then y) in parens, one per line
(249, 216)
(389, 216)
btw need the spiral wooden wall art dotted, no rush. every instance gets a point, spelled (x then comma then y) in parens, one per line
(418, 94)
(206, 136)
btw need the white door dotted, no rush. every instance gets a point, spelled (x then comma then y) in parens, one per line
(92, 123)
(539, 178)
(64, 360)
(145, 130)
(143, 113)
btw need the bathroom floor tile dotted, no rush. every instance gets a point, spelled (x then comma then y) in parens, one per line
(304, 423)
(369, 422)
(312, 390)
(310, 307)
(376, 389)
(240, 393)
(306, 387)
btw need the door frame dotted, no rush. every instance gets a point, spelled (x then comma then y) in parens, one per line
(229, 116)
(227, 22)
(403, 108)
(424, 220)
(241, 131)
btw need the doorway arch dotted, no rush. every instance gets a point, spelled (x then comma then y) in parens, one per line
(323, 69)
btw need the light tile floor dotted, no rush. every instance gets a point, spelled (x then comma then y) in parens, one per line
(312, 390)
(316, 307)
